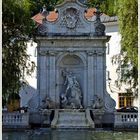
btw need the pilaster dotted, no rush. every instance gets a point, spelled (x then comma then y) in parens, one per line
(52, 74)
(90, 78)
(100, 74)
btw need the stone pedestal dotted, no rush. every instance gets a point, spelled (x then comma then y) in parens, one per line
(46, 115)
(98, 117)
(68, 118)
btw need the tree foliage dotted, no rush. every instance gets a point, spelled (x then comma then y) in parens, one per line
(107, 6)
(127, 12)
(38, 4)
(16, 28)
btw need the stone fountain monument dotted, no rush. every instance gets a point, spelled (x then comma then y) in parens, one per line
(72, 67)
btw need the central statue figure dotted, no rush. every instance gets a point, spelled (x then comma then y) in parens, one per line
(72, 95)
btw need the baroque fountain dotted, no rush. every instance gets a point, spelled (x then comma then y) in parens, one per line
(71, 71)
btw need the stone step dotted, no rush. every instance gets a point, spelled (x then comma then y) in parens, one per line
(72, 115)
(72, 124)
(71, 119)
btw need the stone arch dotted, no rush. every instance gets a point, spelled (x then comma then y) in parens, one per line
(61, 56)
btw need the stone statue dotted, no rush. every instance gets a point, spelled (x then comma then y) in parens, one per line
(97, 102)
(63, 100)
(49, 104)
(76, 96)
(72, 95)
(99, 27)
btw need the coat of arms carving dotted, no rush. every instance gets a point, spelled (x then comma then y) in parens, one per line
(71, 16)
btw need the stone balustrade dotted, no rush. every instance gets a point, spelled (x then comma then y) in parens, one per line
(125, 120)
(15, 119)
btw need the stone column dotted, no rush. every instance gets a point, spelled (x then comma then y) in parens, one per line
(52, 76)
(90, 78)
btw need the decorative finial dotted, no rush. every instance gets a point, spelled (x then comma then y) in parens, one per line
(44, 12)
(97, 13)
(99, 27)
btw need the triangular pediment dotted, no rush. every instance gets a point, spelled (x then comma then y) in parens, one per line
(71, 21)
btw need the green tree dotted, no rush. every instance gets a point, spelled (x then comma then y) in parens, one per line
(16, 29)
(38, 4)
(107, 6)
(127, 12)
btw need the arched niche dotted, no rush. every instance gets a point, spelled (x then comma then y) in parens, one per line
(73, 63)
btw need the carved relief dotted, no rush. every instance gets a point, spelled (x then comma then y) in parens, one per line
(42, 30)
(51, 53)
(100, 53)
(109, 103)
(97, 102)
(72, 96)
(70, 18)
(48, 103)
(90, 53)
(42, 53)
(99, 29)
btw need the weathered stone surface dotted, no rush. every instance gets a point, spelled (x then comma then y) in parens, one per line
(69, 118)
(86, 62)
(126, 121)
(72, 43)
(15, 120)
(71, 21)
(71, 98)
